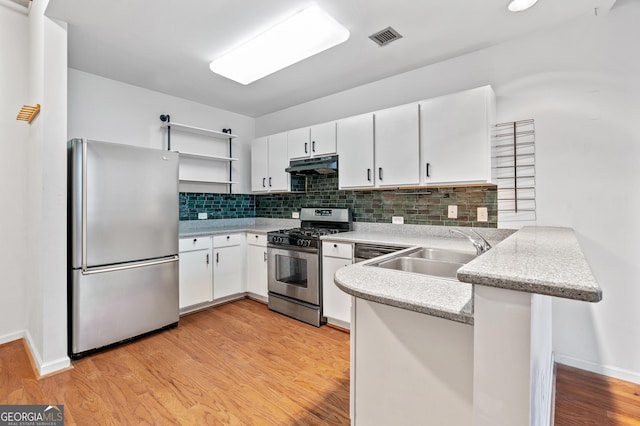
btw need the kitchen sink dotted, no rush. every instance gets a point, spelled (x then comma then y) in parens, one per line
(427, 261)
(443, 255)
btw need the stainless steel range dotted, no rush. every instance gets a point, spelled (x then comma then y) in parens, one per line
(295, 263)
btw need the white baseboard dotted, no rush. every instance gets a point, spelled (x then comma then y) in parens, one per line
(257, 297)
(342, 324)
(48, 367)
(605, 370)
(55, 365)
(550, 391)
(35, 355)
(12, 336)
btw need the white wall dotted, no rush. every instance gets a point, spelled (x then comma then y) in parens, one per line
(109, 110)
(14, 75)
(581, 83)
(46, 274)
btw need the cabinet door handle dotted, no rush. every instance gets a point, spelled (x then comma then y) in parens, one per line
(428, 170)
(218, 257)
(257, 237)
(228, 236)
(264, 182)
(305, 148)
(269, 181)
(207, 258)
(369, 175)
(380, 173)
(195, 240)
(313, 146)
(265, 256)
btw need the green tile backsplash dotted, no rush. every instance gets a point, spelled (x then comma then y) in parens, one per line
(217, 206)
(423, 206)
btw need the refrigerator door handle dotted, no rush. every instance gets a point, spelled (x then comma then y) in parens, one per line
(83, 214)
(99, 270)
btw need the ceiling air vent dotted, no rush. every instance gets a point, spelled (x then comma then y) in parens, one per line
(386, 36)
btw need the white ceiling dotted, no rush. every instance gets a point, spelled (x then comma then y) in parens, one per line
(167, 45)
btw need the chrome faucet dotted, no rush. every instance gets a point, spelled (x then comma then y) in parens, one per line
(481, 244)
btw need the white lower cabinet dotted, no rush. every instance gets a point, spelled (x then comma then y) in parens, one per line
(228, 265)
(195, 271)
(336, 303)
(257, 266)
(409, 368)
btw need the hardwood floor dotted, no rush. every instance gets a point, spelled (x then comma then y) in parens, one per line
(584, 398)
(238, 363)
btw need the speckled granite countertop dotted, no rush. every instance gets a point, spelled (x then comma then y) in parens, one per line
(543, 260)
(447, 299)
(540, 260)
(438, 297)
(219, 230)
(194, 228)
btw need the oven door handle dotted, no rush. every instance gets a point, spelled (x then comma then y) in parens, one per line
(290, 249)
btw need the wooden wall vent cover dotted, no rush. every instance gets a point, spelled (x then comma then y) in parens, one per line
(28, 113)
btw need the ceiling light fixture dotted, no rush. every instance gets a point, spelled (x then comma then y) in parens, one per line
(305, 34)
(520, 5)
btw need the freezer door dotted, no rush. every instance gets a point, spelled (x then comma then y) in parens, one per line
(109, 307)
(124, 203)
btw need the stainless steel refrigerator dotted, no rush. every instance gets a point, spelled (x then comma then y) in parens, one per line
(123, 243)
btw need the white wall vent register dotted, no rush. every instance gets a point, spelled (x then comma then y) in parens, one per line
(386, 36)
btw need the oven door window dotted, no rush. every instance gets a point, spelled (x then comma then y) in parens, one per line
(291, 270)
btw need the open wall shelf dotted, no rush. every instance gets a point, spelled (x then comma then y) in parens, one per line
(224, 135)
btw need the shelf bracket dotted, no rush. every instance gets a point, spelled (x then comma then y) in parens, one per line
(166, 118)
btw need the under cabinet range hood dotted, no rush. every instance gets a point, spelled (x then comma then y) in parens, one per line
(314, 166)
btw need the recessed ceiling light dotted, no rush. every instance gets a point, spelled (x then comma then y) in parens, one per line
(305, 34)
(520, 5)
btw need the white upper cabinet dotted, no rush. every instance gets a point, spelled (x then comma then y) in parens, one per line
(259, 166)
(379, 149)
(312, 141)
(455, 137)
(268, 163)
(397, 148)
(355, 151)
(278, 179)
(440, 141)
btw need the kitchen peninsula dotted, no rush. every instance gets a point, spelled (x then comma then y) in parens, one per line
(473, 351)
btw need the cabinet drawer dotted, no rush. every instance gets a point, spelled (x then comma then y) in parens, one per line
(194, 243)
(227, 240)
(341, 250)
(256, 239)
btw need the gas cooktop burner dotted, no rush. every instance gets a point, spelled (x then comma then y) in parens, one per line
(315, 222)
(308, 232)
